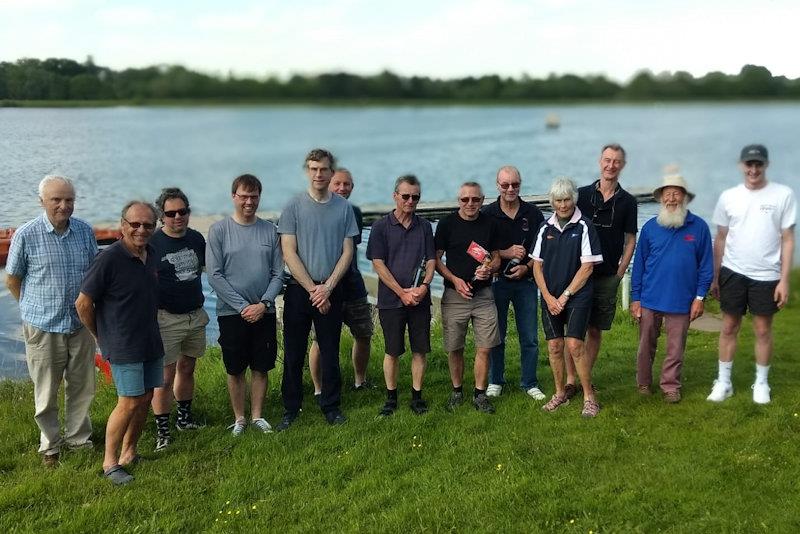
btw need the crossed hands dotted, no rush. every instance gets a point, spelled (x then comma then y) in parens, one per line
(320, 298)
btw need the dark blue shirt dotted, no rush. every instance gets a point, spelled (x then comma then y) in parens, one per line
(454, 235)
(352, 281)
(521, 230)
(125, 295)
(612, 219)
(180, 263)
(402, 250)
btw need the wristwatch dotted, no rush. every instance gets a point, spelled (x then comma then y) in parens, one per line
(568, 293)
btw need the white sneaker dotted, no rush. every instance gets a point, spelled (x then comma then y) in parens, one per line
(237, 428)
(720, 391)
(494, 390)
(536, 394)
(262, 425)
(761, 393)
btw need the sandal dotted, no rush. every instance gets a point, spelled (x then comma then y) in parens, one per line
(590, 409)
(117, 475)
(555, 403)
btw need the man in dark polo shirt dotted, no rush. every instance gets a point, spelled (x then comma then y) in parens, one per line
(401, 249)
(468, 291)
(118, 303)
(613, 212)
(517, 222)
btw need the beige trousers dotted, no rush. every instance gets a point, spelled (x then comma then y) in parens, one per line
(52, 357)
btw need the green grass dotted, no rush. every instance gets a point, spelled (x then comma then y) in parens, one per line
(641, 466)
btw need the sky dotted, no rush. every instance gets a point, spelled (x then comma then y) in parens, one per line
(441, 39)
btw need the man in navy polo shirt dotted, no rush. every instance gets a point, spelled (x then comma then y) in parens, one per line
(401, 249)
(118, 303)
(517, 222)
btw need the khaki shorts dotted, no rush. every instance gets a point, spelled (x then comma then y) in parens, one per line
(604, 301)
(457, 313)
(357, 315)
(183, 334)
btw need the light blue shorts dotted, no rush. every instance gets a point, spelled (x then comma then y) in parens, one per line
(134, 379)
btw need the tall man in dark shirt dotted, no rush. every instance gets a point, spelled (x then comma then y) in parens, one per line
(468, 291)
(118, 303)
(613, 211)
(517, 222)
(181, 253)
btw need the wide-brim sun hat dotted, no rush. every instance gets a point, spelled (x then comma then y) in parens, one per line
(672, 180)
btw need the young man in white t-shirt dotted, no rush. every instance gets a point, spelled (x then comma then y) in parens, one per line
(752, 260)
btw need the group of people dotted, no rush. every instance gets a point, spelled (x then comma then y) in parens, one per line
(141, 299)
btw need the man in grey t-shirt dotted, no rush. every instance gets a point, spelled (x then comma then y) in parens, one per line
(316, 229)
(245, 268)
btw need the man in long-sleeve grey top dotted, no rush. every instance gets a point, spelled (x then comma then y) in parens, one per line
(245, 268)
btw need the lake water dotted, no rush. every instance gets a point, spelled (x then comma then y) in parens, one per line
(116, 154)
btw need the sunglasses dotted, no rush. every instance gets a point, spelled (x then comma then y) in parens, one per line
(182, 212)
(136, 225)
(514, 185)
(467, 200)
(407, 196)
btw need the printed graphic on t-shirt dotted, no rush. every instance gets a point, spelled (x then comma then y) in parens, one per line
(185, 262)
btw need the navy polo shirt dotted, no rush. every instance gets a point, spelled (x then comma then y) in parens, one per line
(352, 282)
(612, 219)
(562, 252)
(402, 250)
(521, 230)
(125, 295)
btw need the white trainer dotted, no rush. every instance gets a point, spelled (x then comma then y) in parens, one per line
(262, 425)
(720, 391)
(761, 393)
(238, 426)
(536, 394)
(494, 390)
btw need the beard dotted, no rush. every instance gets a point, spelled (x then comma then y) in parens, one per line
(672, 219)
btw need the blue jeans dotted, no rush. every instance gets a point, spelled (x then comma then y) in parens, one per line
(524, 296)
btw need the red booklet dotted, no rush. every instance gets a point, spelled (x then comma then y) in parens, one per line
(478, 252)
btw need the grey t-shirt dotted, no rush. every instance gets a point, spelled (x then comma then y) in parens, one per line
(320, 229)
(244, 264)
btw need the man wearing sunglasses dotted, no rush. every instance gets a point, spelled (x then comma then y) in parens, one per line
(752, 261)
(468, 290)
(613, 211)
(181, 254)
(402, 253)
(317, 228)
(245, 269)
(118, 303)
(517, 222)
(46, 263)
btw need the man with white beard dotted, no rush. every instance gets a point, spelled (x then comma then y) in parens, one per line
(672, 272)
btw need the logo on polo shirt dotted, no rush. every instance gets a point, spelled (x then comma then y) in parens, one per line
(688, 237)
(575, 235)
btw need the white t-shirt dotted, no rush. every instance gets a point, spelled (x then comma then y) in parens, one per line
(755, 219)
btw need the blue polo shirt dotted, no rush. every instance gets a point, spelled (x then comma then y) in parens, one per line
(125, 295)
(672, 266)
(402, 250)
(521, 230)
(562, 252)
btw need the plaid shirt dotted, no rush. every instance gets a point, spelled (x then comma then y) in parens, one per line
(51, 267)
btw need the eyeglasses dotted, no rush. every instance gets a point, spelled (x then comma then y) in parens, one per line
(245, 198)
(182, 212)
(407, 196)
(603, 217)
(513, 185)
(136, 225)
(467, 200)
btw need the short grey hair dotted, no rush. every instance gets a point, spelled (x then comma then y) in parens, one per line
(132, 203)
(51, 178)
(510, 169)
(409, 179)
(562, 187)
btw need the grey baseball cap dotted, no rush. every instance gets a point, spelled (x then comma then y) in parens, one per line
(754, 153)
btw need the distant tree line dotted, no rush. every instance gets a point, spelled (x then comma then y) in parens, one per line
(66, 79)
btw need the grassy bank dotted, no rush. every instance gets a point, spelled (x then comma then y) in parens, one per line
(641, 466)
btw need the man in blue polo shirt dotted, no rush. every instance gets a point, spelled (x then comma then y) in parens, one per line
(402, 253)
(46, 263)
(118, 303)
(672, 272)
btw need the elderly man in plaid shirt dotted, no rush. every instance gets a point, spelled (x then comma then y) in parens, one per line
(46, 263)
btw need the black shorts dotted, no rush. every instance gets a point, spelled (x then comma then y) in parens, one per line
(604, 300)
(394, 322)
(572, 322)
(737, 293)
(244, 344)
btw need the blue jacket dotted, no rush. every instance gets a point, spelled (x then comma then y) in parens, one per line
(672, 266)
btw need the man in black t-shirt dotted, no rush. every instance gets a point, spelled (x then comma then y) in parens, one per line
(467, 290)
(181, 253)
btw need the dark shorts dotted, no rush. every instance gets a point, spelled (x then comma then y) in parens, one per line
(572, 322)
(604, 301)
(394, 322)
(244, 344)
(738, 293)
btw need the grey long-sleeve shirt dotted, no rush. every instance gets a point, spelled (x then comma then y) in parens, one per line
(244, 264)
